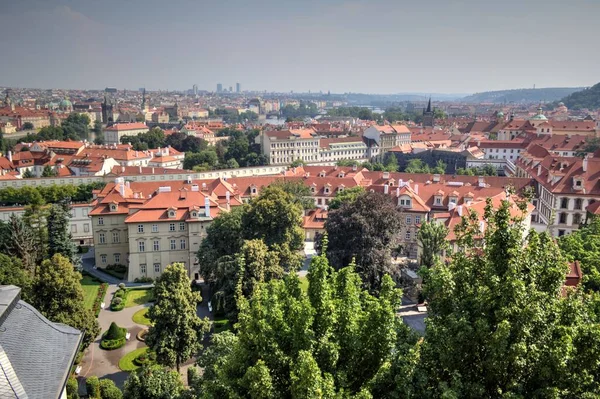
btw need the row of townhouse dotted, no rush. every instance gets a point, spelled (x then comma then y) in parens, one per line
(80, 224)
(567, 188)
(148, 225)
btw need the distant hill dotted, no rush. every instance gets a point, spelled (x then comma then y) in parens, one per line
(522, 95)
(586, 98)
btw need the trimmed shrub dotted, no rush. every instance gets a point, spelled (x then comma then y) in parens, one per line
(119, 299)
(99, 299)
(111, 344)
(143, 280)
(72, 389)
(145, 358)
(115, 332)
(121, 286)
(108, 390)
(92, 386)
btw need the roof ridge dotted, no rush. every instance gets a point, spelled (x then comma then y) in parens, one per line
(60, 327)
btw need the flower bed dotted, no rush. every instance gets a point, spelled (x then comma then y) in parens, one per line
(99, 299)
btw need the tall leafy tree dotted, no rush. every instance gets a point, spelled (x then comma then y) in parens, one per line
(299, 191)
(12, 272)
(21, 243)
(583, 245)
(332, 342)
(432, 237)
(36, 219)
(366, 230)
(60, 239)
(498, 325)
(153, 382)
(276, 218)
(177, 331)
(57, 294)
(347, 195)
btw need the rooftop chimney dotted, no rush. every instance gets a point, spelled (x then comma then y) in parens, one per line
(227, 197)
(386, 188)
(386, 175)
(416, 189)
(122, 169)
(152, 170)
(397, 191)
(206, 207)
(584, 164)
(459, 210)
(9, 156)
(140, 169)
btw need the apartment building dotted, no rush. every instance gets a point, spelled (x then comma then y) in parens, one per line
(287, 146)
(114, 133)
(565, 188)
(387, 137)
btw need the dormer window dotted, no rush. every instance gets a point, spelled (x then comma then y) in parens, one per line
(313, 189)
(341, 174)
(114, 207)
(194, 214)
(322, 173)
(577, 183)
(253, 190)
(171, 213)
(327, 189)
(405, 202)
(341, 188)
(391, 182)
(438, 199)
(453, 200)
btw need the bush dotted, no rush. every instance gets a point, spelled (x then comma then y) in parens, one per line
(115, 332)
(114, 337)
(79, 357)
(122, 286)
(92, 386)
(145, 358)
(99, 299)
(108, 390)
(111, 344)
(72, 389)
(119, 300)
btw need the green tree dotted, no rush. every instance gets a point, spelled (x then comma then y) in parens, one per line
(21, 243)
(72, 388)
(391, 163)
(583, 245)
(92, 387)
(76, 126)
(12, 272)
(60, 239)
(366, 230)
(28, 126)
(177, 331)
(432, 237)
(299, 191)
(440, 167)
(28, 174)
(498, 325)
(276, 218)
(108, 390)
(417, 166)
(297, 162)
(331, 343)
(58, 295)
(347, 195)
(153, 382)
(48, 172)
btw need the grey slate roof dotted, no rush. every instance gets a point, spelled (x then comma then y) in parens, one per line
(36, 354)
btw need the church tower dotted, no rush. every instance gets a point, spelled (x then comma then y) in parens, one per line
(144, 105)
(428, 119)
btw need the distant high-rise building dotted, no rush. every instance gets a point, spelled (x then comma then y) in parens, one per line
(219, 87)
(230, 89)
(238, 88)
(195, 89)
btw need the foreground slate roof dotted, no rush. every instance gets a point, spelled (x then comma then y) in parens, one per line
(36, 354)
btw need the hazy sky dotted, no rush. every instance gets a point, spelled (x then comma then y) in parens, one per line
(369, 46)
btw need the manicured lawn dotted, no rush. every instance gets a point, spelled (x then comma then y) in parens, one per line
(90, 290)
(304, 284)
(138, 297)
(126, 362)
(141, 317)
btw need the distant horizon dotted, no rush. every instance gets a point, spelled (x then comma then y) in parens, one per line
(357, 46)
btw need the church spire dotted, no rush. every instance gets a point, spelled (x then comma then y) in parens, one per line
(429, 105)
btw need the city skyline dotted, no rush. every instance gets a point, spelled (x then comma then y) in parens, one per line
(379, 47)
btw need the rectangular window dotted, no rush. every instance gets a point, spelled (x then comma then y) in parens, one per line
(564, 203)
(171, 226)
(86, 227)
(156, 245)
(103, 259)
(140, 228)
(101, 238)
(401, 202)
(182, 244)
(438, 201)
(181, 226)
(117, 258)
(142, 246)
(157, 268)
(409, 220)
(173, 245)
(417, 219)
(115, 237)
(155, 228)
(100, 221)
(142, 268)
(73, 228)
(407, 235)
